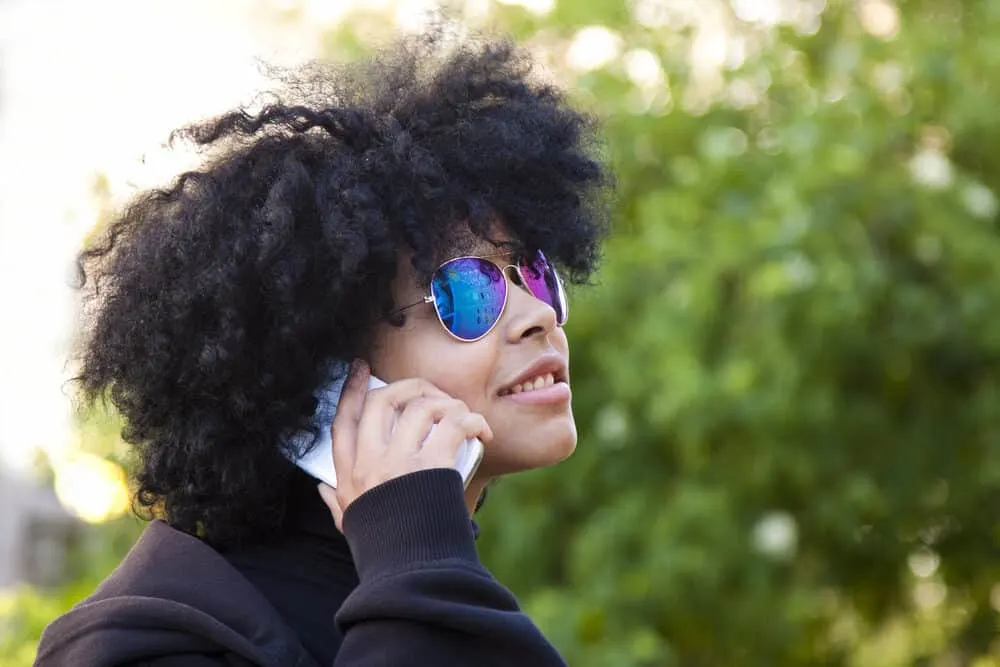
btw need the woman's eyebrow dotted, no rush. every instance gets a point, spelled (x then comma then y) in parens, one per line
(476, 246)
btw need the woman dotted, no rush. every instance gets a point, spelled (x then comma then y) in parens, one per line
(409, 211)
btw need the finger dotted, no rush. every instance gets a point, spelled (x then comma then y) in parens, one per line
(449, 434)
(344, 430)
(382, 407)
(400, 394)
(418, 417)
(329, 496)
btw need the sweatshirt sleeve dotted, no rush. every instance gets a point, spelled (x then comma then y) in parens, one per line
(424, 598)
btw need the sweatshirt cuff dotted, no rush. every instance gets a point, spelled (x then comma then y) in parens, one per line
(415, 518)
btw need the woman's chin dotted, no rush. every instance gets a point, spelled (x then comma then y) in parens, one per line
(529, 450)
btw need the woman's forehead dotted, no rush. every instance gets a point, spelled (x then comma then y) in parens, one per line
(497, 238)
(499, 248)
(482, 248)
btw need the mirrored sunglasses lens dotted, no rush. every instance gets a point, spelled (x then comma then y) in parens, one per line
(543, 281)
(469, 296)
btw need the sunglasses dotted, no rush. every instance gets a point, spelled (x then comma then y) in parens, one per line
(470, 293)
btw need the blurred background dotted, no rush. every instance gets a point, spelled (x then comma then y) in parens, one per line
(787, 378)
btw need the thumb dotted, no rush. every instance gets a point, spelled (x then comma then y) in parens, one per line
(329, 496)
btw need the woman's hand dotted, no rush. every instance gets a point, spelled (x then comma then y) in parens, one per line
(367, 451)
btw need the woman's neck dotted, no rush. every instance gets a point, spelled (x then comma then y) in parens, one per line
(477, 487)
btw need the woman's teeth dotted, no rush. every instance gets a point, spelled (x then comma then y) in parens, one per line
(539, 382)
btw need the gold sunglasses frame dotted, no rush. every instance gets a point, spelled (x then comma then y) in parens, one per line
(430, 299)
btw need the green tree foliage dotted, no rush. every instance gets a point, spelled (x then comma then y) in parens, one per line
(787, 380)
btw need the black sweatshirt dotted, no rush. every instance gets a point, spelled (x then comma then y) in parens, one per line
(423, 598)
(306, 573)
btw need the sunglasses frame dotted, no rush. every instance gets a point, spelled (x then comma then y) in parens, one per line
(430, 298)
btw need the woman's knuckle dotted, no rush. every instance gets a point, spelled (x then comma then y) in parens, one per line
(421, 406)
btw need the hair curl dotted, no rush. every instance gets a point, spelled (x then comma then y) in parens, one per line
(213, 306)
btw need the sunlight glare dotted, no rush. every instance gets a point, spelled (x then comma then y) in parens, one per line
(90, 487)
(643, 68)
(593, 47)
(880, 18)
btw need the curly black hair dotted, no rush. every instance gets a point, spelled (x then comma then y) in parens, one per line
(212, 307)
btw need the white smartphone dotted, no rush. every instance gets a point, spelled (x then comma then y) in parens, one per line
(318, 461)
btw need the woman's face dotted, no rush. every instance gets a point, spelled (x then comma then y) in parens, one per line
(530, 431)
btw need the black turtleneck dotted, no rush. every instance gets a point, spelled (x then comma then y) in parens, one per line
(307, 573)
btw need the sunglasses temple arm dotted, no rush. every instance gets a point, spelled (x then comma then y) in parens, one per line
(426, 299)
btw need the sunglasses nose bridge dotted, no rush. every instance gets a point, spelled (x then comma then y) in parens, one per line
(513, 273)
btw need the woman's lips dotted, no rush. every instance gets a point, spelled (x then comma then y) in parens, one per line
(554, 394)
